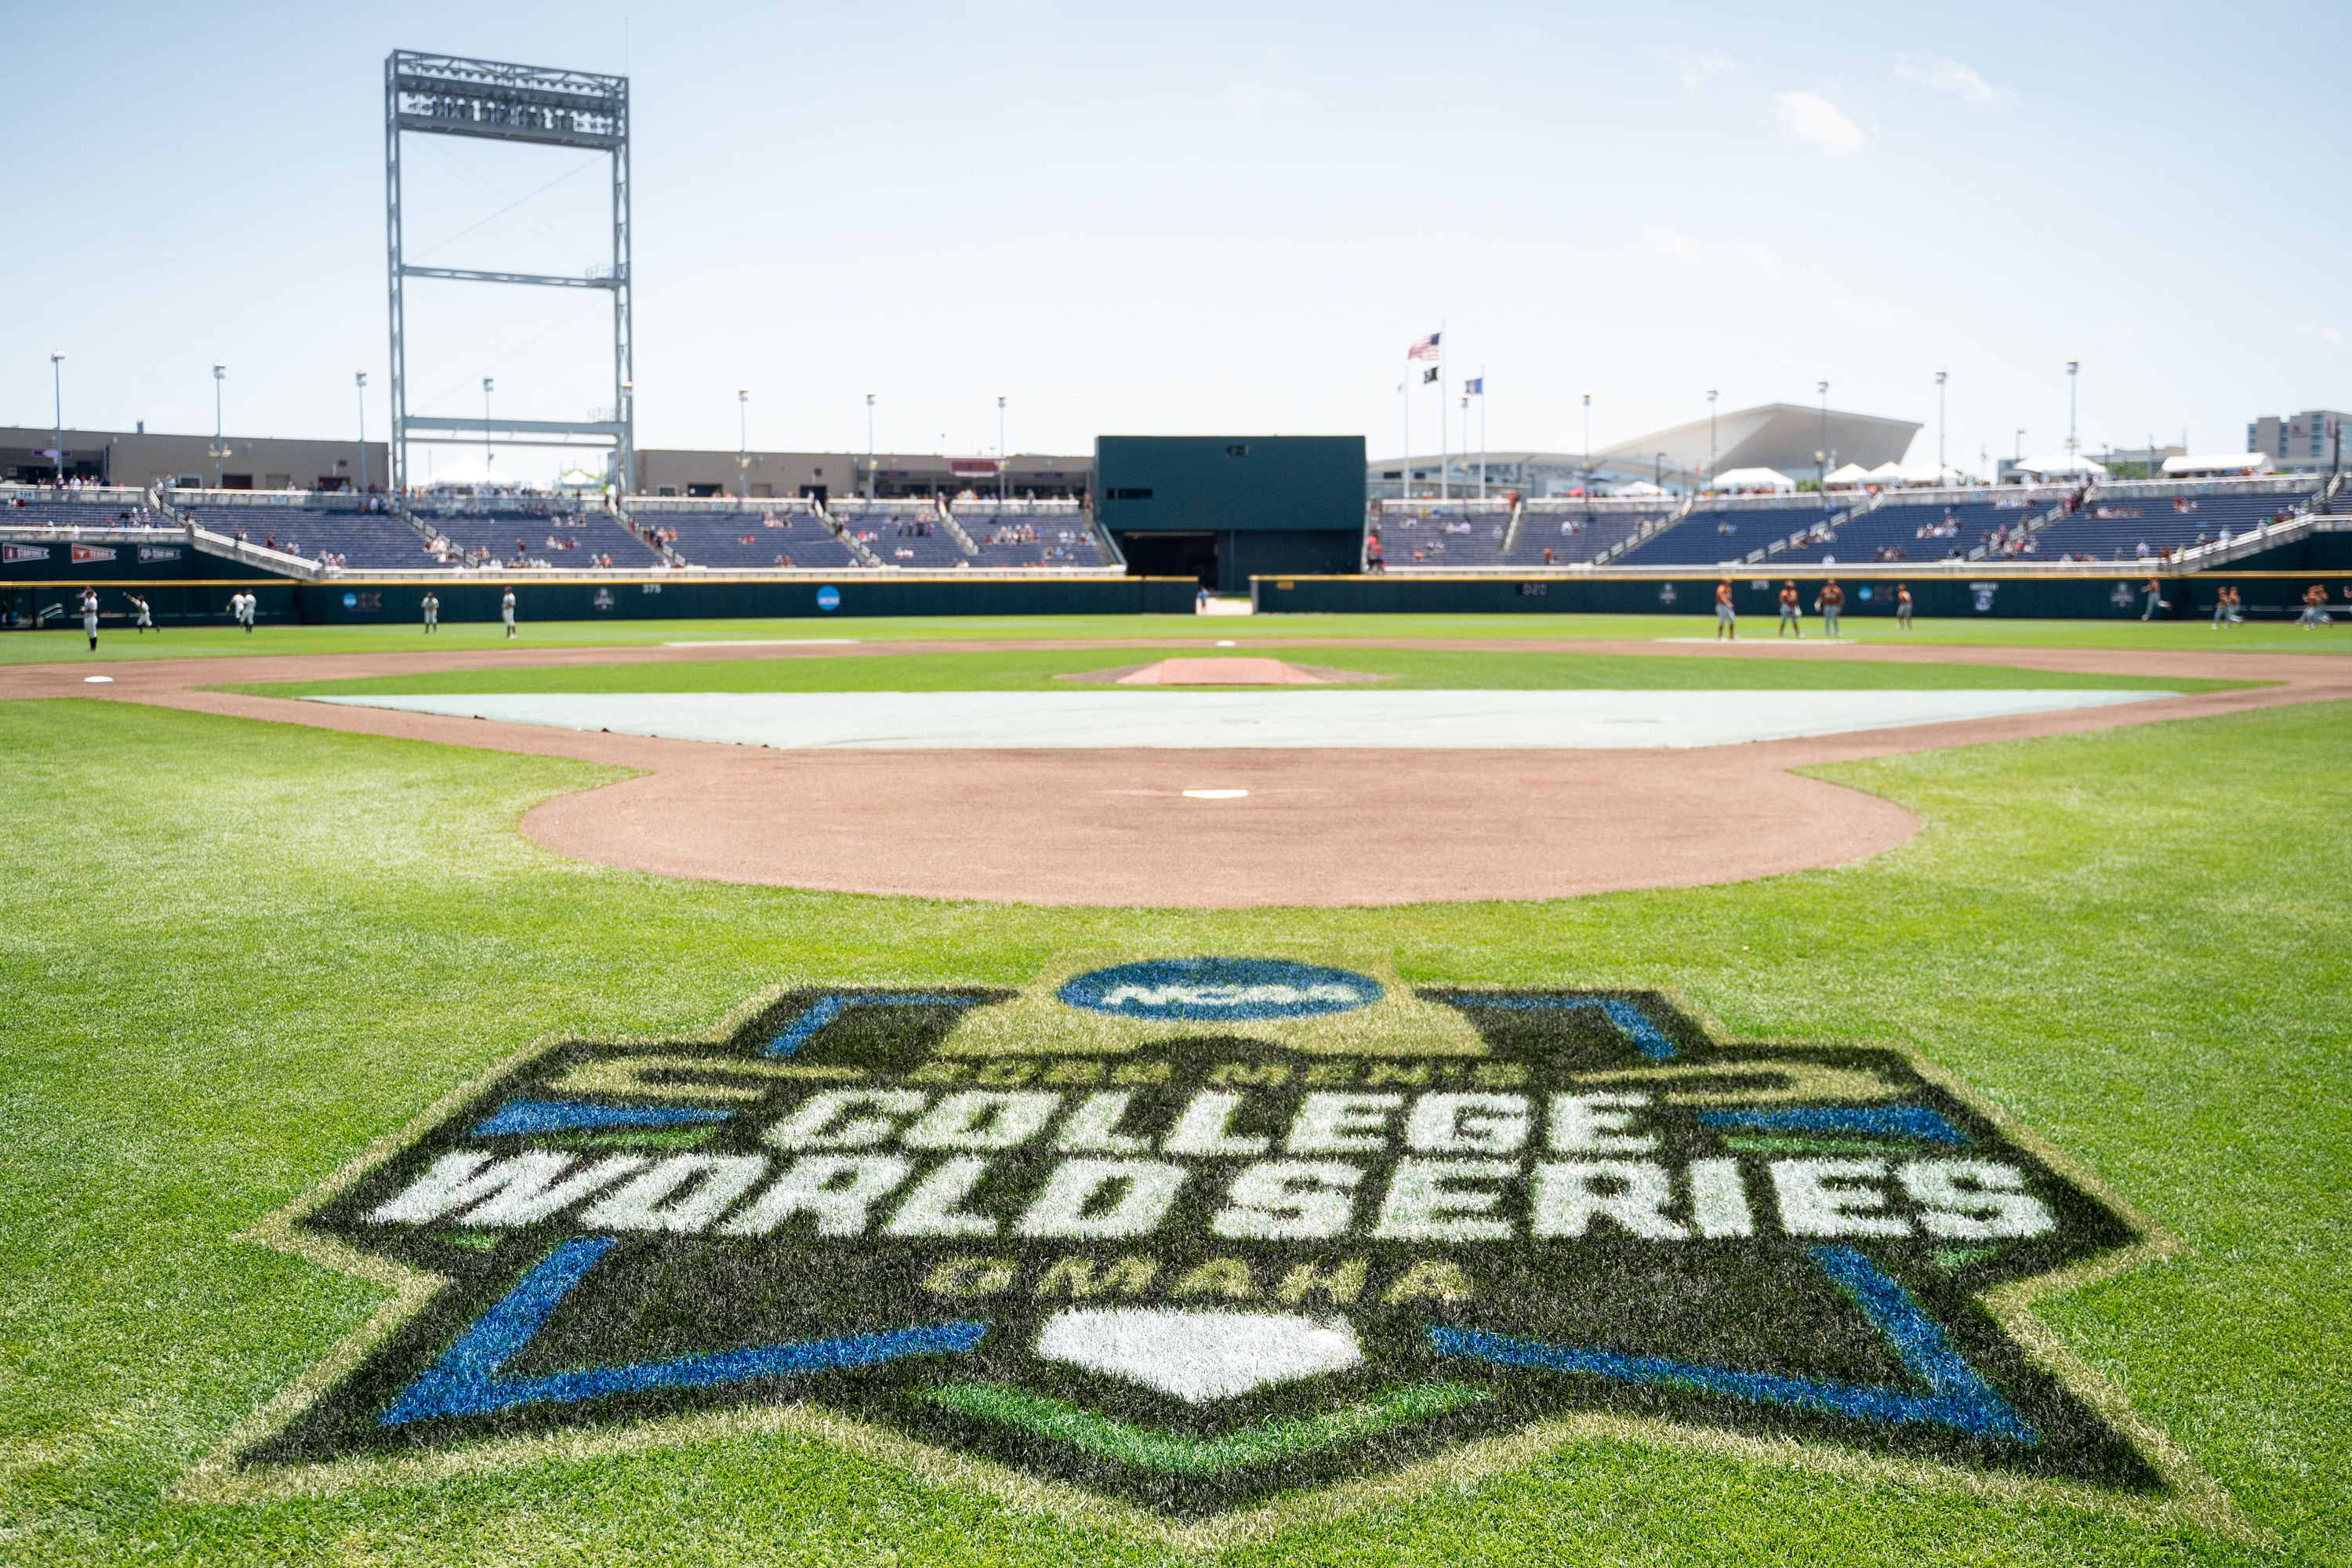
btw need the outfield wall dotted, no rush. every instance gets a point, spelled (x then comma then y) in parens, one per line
(355, 601)
(1990, 594)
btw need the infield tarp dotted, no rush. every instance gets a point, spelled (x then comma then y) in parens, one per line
(1417, 720)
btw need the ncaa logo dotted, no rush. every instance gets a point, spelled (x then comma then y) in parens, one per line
(1183, 1232)
(1220, 990)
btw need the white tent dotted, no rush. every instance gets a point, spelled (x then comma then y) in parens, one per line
(1638, 487)
(1753, 479)
(1925, 474)
(2218, 463)
(1888, 473)
(2057, 465)
(1850, 474)
(470, 472)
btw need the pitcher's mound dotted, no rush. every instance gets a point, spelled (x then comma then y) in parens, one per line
(1220, 672)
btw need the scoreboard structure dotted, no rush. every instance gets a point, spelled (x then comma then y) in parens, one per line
(1227, 508)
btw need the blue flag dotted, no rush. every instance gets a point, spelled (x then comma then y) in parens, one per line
(1477, 384)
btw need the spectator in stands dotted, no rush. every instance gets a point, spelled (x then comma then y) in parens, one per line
(1792, 611)
(1372, 560)
(1726, 619)
(1903, 606)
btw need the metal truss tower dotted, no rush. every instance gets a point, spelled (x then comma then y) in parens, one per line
(440, 95)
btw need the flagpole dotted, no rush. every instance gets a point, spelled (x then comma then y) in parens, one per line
(1404, 485)
(1442, 386)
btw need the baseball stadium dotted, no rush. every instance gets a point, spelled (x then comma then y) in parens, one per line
(1739, 995)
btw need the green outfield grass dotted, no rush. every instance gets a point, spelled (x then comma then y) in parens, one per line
(211, 642)
(1405, 668)
(232, 954)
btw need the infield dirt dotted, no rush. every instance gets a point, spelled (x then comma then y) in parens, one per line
(1114, 826)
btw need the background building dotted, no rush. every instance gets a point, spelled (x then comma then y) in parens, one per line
(136, 457)
(677, 472)
(2298, 443)
(1779, 435)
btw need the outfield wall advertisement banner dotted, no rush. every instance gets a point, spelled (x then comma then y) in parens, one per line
(1186, 1232)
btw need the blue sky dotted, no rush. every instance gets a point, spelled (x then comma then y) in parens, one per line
(1212, 217)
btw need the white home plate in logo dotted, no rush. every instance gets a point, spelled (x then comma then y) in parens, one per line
(1199, 1356)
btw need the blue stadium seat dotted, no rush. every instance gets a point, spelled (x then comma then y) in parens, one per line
(359, 540)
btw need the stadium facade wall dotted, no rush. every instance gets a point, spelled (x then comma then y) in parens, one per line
(1991, 596)
(135, 457)
(683, 472)
(359, 602)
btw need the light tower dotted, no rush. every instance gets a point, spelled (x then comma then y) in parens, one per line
(442, 95)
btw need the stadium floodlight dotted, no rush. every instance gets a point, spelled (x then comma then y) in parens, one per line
(1000, 458)
(743, 443)
(486, 430)
(1586, 484)
(57, 386)
(1939, 427)
(443, 95)
(869, 446)
(1710, 440)
(1821, 453)
(219, 451)
(2072, 381)
(359, 379)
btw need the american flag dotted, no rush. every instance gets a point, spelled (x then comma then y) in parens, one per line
(1425, 349)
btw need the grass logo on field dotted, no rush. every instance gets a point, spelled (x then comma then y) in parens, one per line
(1189, 1230)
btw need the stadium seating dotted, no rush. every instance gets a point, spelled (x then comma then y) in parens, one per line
(1018, 533)
(32, 509)
(2115, 524)
(1424, 536)
(359, 540)
(906, 534)
(1427, 535)
(728, 539)
(543, 531)
(1726, 530)
(1940, 529)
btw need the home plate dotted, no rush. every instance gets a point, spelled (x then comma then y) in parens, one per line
(1199, 1356)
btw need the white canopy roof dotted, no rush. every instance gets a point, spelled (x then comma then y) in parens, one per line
(1850, 474)
(469, 472)
(1925, 474)
(1754, 479)
(2059, 463)
(1638, 487)
(2220, 463)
